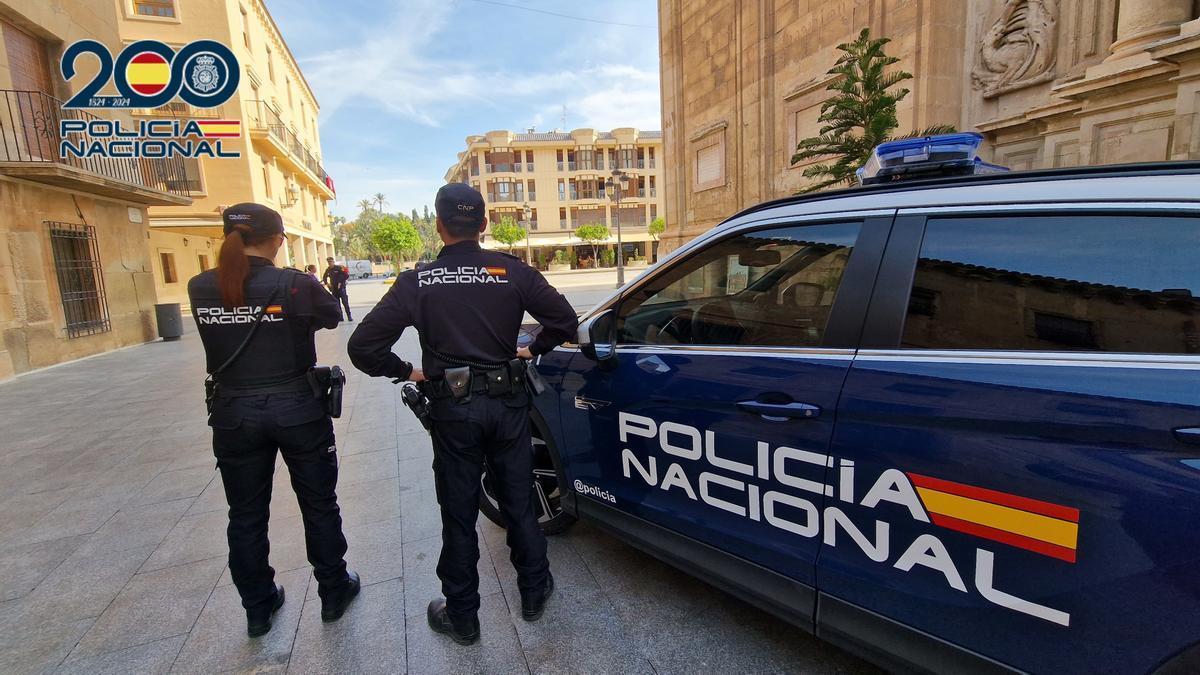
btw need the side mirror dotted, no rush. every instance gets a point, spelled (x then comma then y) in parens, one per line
(597, 337)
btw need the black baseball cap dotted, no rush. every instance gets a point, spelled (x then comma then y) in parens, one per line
(459, 204)
(262, 220)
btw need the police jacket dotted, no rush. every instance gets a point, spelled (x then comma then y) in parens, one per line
(336, 276)
(283, 348)
(467, 304)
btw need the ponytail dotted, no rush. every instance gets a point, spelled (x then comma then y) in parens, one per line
(232, 265)
(232, 269)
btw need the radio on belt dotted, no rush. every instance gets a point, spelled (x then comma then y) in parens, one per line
(926, 157)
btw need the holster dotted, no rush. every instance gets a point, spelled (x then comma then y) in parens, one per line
(416, 401)
(533, 379)
(210, 394)
(328, 383)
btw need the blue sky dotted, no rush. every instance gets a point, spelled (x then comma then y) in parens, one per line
(402, 83)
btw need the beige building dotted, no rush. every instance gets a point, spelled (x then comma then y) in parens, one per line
(1050, 83)
(561, 177)
(280, 163)
(75, 270)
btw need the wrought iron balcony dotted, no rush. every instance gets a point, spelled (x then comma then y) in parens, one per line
(264, 118)
(30, 148)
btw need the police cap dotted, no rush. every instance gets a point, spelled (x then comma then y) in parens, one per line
(252, 219)
(459, 204)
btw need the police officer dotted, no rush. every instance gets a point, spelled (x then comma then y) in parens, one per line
(335, 277)
(257, 324)
(467, 307)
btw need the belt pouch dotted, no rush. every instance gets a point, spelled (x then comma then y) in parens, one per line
(499, 382)
(459, 381)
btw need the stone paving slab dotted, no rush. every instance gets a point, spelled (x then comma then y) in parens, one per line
(113, 552)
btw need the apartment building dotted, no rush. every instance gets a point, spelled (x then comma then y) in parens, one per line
(280, 163)
(75, 271)
(554, 182)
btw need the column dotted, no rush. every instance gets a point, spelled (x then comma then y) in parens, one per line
(1140, 22)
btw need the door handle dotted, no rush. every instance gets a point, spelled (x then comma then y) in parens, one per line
(1188, 435)
(780, 412)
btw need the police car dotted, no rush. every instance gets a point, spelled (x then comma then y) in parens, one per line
(949, 419)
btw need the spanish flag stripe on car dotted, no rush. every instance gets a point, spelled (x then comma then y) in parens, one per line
(1042, 527)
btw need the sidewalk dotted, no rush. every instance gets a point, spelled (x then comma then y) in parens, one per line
(113, 555)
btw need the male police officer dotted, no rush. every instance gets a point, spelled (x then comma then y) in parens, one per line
(257, 324)
(467, 307)
(335, 278)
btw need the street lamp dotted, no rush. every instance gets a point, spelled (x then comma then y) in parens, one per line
(527, 212)
(616, 185)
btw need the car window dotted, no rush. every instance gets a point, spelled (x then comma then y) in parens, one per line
(1065, 283)
(769, 287)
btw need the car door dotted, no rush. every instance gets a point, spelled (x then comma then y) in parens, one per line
(715, 419)
(1020, 423)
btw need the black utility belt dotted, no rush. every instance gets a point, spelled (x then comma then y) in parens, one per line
(325, 382)
(459, 383)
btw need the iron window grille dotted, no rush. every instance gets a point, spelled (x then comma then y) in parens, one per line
(80, 278)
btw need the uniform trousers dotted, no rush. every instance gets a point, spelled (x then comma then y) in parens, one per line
(465, 435)
(248, 431)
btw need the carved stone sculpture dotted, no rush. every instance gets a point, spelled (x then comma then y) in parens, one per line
(1018, 50)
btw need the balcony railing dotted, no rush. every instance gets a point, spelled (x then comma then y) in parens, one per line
(266, 118)
(29, 133)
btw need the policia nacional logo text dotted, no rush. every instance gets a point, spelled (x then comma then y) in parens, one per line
(228, 317)
(463, 274)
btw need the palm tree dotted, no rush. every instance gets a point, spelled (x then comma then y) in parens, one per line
(380, 200)
(364, 205)
(863, 104)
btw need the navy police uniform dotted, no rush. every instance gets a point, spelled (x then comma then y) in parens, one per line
(336, 277)
(264, 403)
(467, 307)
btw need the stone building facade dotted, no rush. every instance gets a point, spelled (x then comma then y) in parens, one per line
(1050, 83)
(75, 270)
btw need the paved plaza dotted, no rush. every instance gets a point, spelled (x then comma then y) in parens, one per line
(113, 556)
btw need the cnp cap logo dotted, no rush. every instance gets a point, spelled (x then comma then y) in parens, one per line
(149, 74)
(465, 207)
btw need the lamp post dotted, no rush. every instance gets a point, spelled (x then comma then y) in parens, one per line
(616, 186)
(527, 212)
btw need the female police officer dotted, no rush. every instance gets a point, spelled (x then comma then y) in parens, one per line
(257, 324)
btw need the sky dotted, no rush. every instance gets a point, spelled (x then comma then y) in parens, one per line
(402, 83)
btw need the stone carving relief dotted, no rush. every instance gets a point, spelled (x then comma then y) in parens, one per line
(1019, 48)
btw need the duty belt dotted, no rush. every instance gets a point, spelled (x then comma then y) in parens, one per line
(295, 384)
(500, 382)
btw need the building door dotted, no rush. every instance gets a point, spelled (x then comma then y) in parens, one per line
(35, 133)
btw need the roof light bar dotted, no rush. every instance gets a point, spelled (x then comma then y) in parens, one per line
(912, 158)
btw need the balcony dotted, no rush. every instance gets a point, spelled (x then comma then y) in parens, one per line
(503, 167)
(267, 127)
(29, 149)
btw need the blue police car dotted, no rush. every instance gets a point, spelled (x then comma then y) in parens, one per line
(949, 419)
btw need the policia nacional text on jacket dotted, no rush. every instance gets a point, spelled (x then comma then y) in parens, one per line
(467, 307)
(257, 324)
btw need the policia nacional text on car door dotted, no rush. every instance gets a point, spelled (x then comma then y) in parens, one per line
(713, 416)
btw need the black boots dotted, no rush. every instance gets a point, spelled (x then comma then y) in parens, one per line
(258, 620)
(533, 606)
(464, 633)
(334, 606)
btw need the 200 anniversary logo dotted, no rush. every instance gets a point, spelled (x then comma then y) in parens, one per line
(150, 74)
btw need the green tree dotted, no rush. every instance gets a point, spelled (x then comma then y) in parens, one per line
(395, 237)
(414, 217)
(379, 200)
(364, 205)
(656, 228)
(593, 234)
(508, 232)
(860, 116)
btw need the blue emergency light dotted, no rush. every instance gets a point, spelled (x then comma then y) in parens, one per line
(926, 157)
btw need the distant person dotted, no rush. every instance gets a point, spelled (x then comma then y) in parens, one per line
(257, 323)
(468, 325)
(335, 279)
(312, 272)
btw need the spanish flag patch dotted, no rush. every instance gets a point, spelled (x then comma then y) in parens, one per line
(497, 271)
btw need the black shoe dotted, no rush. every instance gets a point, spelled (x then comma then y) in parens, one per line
(440, 621)
(532, 608)
(333, 607)
(258, 621)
